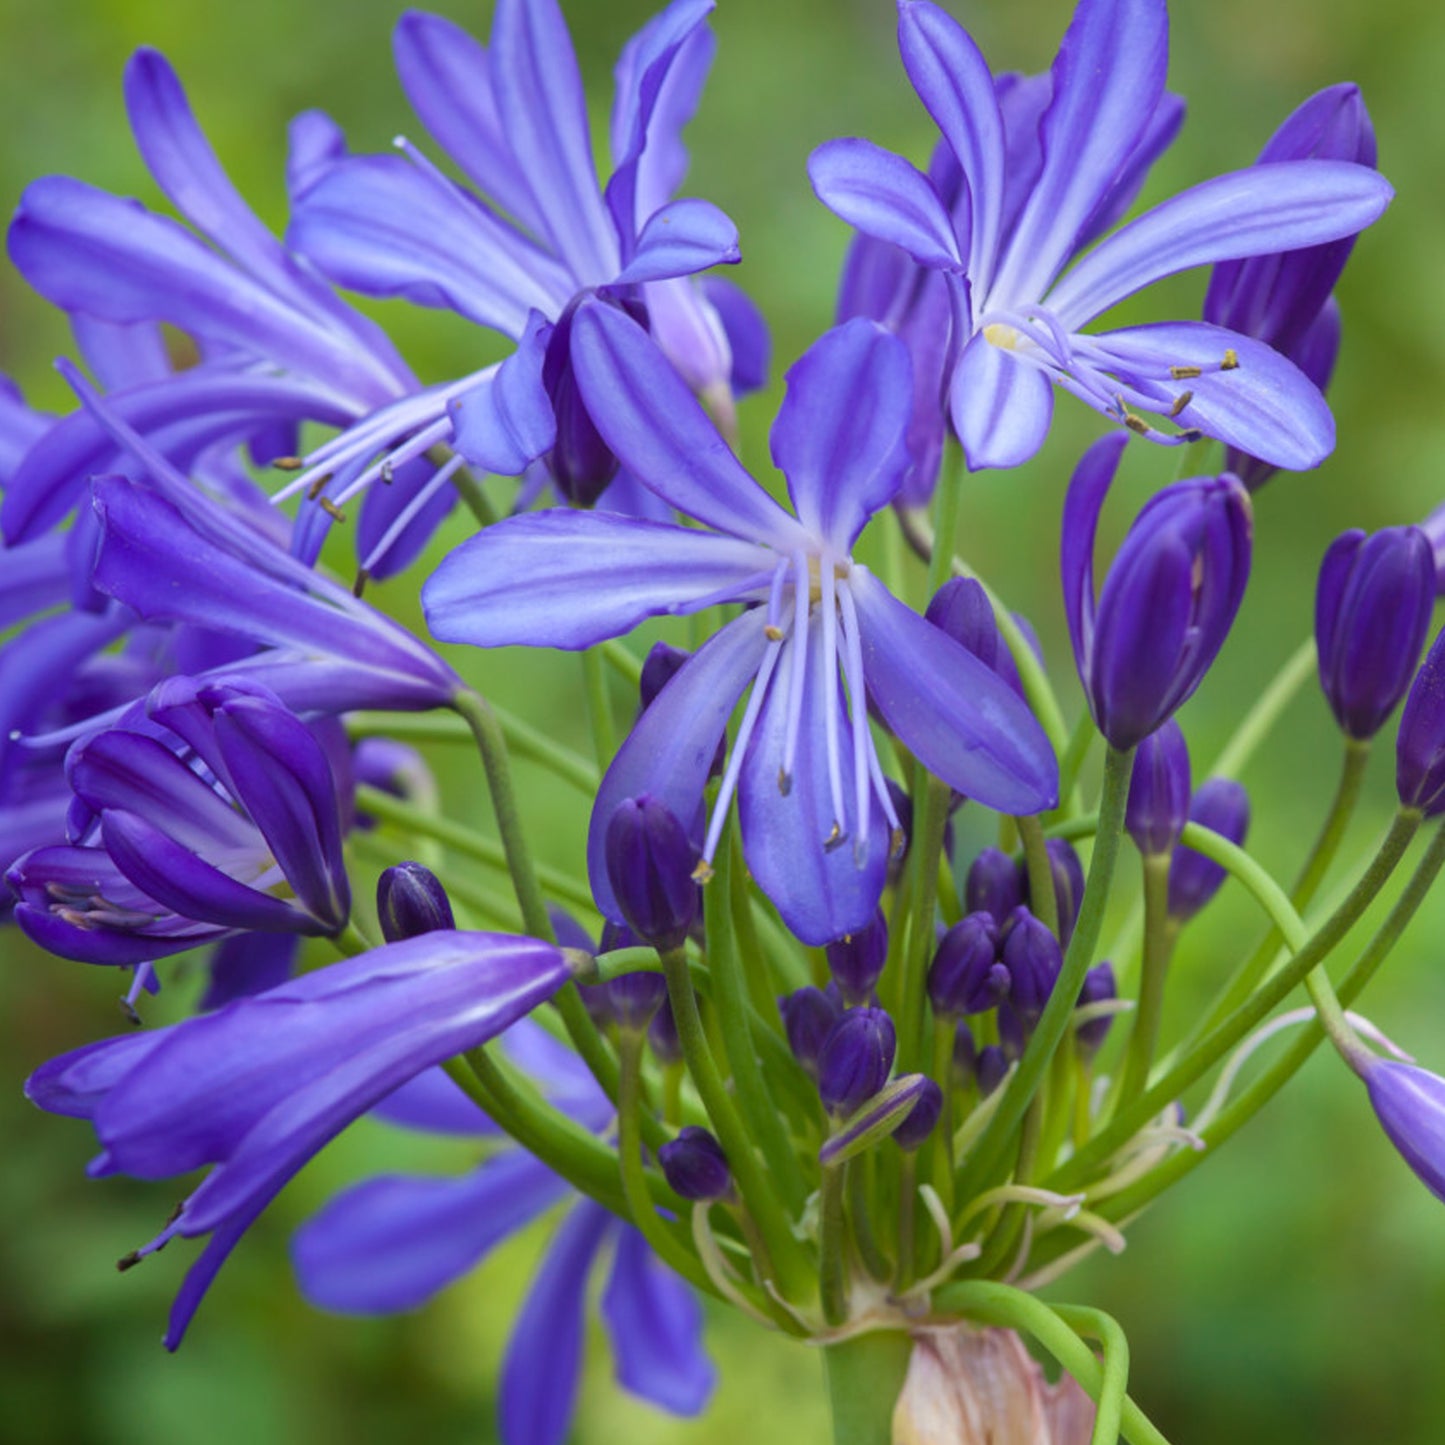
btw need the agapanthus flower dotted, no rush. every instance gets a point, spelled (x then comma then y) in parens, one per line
(390, 1243)
(815, 813)
(1017, 320)
(541, 235)
(225, 814)
(260, 1085)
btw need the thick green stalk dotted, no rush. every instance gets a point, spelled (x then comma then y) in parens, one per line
(1043, 901)
(599, 707)
(865, 1377)
(930, 824)
(1114, 1380)
(1158, 945)
(1053, 1025)
(833, 1268)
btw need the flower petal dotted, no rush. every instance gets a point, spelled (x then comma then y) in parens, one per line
(1085, 499)
(962, 721)
(506, 422)
(1000, 406)
(391, 1243)
(681, 238)
(840, 436)
(656, 1328)
(661, 434)
(249, 963)
(884, 196)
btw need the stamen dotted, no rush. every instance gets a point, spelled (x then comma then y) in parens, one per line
(1231, 360)
(1185, 373)
(331, 509)
(1180, 402)
(829, 607)
(317, 487)
(440, 478)
(406, 451)
(797, 681)
(359, 585)
(772, 633)
(288, 464)
(862, 741)
(774, 629)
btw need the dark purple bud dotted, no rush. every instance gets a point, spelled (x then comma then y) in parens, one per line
(581, 463)
(649, 864)
(1420, 747)
(856, 962)
(808, 1019)
(1068, 874)
(965, 1052)
(1033, 958)
(695, 1166)
(1168, 601)
(1013, 1033)
(571, 934)
(1372, 611)
(1221, 805)
(1434, 529)
(616, 936)
(995, 884)
(410, 901)
(856, 1060)
(1410, 1105)
(966, 976)
(961, 609)
(635, 997)
(992, 1067)
(659, 668)
(920, 1121)
(662, 1035)
(395, 768)
(1099, 986)
(1158, 805)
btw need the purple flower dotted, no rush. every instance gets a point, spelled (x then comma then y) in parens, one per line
(390, 1243)
(1159, 792)
(803, 762)
(1410, 1104)
(223, 816)
(514, 118)
(410, 901)
(1372, 611)
(1170, 597)
(1222, 805)
(1017, 323)
(856, 1060)
(257, 1087)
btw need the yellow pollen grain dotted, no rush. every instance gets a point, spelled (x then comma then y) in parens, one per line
(1184, 373)
(1180, 402)
(772, 633)
(1006, 338)
(1231, 360)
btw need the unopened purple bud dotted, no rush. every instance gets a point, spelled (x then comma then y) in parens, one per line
(635, 997)
(856, 1060)
(856, 962)
(1420, 747)
(695, 1166)
(1434, 529)
(649, 864)
(921, 1118)
(581, 463)
(1033, 958)
(1410, 1104)
(659, 667)
(965, 1052)
(1069, 880)
(966, 976)
(1099, 986)
(410, 901)
(992, 1067)
(1013, 1033)
(808, 1019)
(961, 609)
(1222, 806)
(662, 1035)
(1168, 601)
(1158, 805)
(995, 884)
(1372, 611)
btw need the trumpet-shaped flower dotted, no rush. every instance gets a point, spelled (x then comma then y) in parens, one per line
(1018, 314)
(803, 763)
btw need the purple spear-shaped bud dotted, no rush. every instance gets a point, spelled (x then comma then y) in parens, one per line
(1158, 805)
(966, 976)
(410, 901)
(1099, 986)
(1222, 806)
(581, 463)
(1068, 875)
(992, 1066)
(695, 1166)
(995, 884)
(808, 1018)
(1033, 958)
(635, 998)
(856, 1059)
(1420, 747)
(649, 865)
(1168, 601)
(918, 1124)
(965, 1053)
(856, 961)
(962, 609)
(1372, 611)
(1410, 1104)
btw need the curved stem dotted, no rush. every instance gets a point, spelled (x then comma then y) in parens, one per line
(1114, 1380)
(1043, 902)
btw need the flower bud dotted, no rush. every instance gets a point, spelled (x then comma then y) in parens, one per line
(695, 1166)
(1434, 529)
(992, 1067)
(808, 1019)
(410, 902)
(1033, 958)
(1098, 986)
(581, 463)
(920, 1121)
(961, 609)
(856, 1059)
(1221, 805)
(1068, 875)
(659, 667)
(995, 884)
(966, 976)
(1168, 601)
(662, 1035)
(635, 997)
(649, 864)
(965, 1053)
(1372, 611)
(856, 961)
(1420, 747)
(1158, 805)
(1012, 1033)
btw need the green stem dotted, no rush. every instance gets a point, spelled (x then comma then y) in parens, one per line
(833, 1247)
(1259, 721)
(860, 1216)
(865, 1377)
(1158, 945)
(621, 661)
(989, 1303)
(1053, 1024)
(1043, 902)
(351, 941)
(930, 826)
(599, 707)
(1080, 741)
(794, 1274)
(1114, 1381)
(469, 489)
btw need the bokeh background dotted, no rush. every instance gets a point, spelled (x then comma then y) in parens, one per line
(1291, 1290)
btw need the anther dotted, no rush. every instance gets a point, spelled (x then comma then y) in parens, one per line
(1184, 373)
(1180, 402)
(388, 475)
(1231, 360)
(317, 487)
(1191, 434)
(785, 782)
(835, 839)
(288, 464)
(1136, 424)
(127, 1008)
(896, 842)
(772, 633)
(704, 871)
(129, 1261)
(331, 509)
(362, 578)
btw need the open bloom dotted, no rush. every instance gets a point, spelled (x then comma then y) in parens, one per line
(1018, 322)
(803, 763)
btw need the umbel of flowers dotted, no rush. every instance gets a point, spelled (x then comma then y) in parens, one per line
(786, 1044)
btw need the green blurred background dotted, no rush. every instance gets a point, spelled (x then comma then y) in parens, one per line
(1293, 1290)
